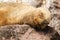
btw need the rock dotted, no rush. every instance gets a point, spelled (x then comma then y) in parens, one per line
(12, 31)
(55, 22)
(25, 32)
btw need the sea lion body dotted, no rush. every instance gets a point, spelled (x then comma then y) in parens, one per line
(23, 14)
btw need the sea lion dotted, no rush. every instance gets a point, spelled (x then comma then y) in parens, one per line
(24, 14)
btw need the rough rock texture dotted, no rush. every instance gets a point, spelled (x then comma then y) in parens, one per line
(12, 32)
(25, 32)
(55, 22)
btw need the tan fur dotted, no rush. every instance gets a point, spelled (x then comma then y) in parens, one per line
(23, 14)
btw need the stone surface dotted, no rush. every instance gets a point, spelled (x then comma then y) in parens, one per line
(25, 32)
(55, 22)
(12, 32)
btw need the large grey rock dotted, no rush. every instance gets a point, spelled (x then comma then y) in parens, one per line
(25, 32)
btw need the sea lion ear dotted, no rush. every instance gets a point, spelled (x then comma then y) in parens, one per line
(38, 20)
